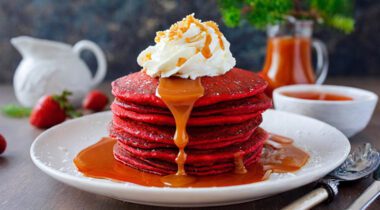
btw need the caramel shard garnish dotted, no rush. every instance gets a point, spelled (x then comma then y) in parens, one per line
(181, 61)
(193, 38)
(177, 30)
(148, 56)
(239, 163)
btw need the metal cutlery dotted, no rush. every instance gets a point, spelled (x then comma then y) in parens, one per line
(361, 162)
(369, 195)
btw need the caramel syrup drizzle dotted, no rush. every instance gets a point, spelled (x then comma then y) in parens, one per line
(179, 95)
(215, 26)
(239, 163)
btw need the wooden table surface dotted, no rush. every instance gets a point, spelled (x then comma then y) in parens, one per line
(24, 186)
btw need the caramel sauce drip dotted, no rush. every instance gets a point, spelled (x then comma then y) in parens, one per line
(215, 26)
(181, 61)
(206, 52)
(97, 161)
(177, 30)
(239, 163)
(179, 95)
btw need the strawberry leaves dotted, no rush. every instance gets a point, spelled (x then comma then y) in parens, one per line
(65, 104)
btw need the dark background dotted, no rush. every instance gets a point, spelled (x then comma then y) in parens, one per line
(124, 28)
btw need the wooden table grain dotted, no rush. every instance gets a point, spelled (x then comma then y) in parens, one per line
(24, 186)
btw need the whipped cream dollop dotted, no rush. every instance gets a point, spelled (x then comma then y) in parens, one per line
(189, 49)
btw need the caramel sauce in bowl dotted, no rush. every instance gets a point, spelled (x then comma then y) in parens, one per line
(316, 95)
(346, 108)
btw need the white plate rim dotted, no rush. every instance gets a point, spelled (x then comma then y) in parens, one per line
(307, 177)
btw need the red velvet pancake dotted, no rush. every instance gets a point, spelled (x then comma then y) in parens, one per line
(197, 135)
(160, 119)
(235, 107)
(199, 163)
(201, 157)
(130, 140)
(164, 168)
(236, 84)
(222, 123)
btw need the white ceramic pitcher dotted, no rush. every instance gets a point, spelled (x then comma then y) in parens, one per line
(49, 67)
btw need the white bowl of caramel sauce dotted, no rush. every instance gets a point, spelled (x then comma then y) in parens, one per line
(346, 108)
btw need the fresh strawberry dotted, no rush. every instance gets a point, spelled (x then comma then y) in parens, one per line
(95, 101)
(51, 110)
(3, 144)
(47, 113)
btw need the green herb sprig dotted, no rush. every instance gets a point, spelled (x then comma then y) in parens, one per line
(261, 13)
(16, 111)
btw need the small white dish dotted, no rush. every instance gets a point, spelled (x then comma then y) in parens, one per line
(350, 117)
(54, 150)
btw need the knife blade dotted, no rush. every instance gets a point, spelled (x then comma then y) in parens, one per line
(369, 195)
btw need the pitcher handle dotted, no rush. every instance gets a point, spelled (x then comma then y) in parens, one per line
(100, 58)
(322, 61)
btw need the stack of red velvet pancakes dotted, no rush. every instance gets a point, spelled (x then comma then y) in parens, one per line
(223, 124)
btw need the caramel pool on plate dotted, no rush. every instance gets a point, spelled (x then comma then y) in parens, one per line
(280, 156)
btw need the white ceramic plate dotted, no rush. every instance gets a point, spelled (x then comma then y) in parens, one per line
(53, 152)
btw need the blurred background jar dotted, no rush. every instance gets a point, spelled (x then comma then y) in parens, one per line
(289, 55)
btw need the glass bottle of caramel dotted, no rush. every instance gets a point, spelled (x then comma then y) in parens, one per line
(288, 59)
